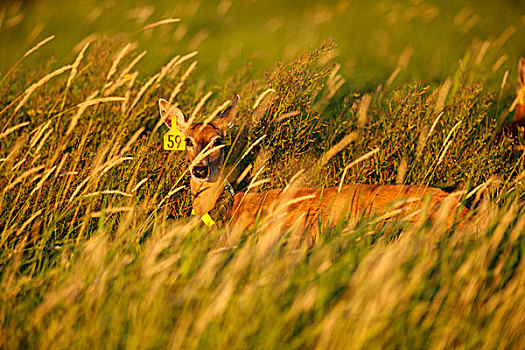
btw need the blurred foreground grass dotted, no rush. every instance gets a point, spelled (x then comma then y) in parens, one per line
(95, 247)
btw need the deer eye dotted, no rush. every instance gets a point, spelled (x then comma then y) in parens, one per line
(217, 142)
(188, 142)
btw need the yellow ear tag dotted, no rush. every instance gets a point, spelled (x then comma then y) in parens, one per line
(206, 219)
(174, 140)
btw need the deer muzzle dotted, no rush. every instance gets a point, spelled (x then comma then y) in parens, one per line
(201, 172)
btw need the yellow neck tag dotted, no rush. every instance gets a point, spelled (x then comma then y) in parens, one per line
(206, 219)
(174, 140)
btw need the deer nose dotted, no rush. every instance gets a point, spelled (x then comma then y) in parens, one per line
(201, 172)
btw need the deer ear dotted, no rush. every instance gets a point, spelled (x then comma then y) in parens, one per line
(170, 112)
(521, 72)
(225, 120)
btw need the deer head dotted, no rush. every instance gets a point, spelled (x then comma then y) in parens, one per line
(204, 141)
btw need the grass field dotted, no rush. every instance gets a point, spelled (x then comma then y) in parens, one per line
(96, 248)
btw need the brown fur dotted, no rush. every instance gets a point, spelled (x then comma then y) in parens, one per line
(305, 208)
(310, 207)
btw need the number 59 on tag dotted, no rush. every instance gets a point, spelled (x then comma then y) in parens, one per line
(174, 140)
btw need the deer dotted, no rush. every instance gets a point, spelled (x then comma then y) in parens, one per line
(518, 120)
(310, 209)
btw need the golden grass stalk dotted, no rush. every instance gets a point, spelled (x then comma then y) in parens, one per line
(113, 163)
(81, 109)
(111, 210)
(199, 106)
(517, 100)
(37, 30)
(74, 68)
(392, 76)
(39, 45)
(38, 84)
(7, 161)
(217, 307)
(205, 152)
(363, 110)
(391, 213)
(249, 186)
(499, 62)
(185, 76)
(255, 178)
(333, 84)
(40, 132)
(79, 187)
(447, 143)
(41, 144)
(405, 56)
(18, 164)
(198, 38)
(162, 22)
(257, 183)
(93, 194)
(28, 222)
(504, 80)
(41, 183)
(442, 95)
(69, 173)
(334, 81)
(504, 37)
(144, 89)
(127, 95)
(217, 111)
(433, 127)
(61, 164)
(247, 152)
(120, 55)
(11, 129)
(105, 168)
(503, 83)
(401, 171)
(482, 51)
(131, 141)
(23, 176)
(133, 63)
(169, 67)
(297, 200)
(124, 76)
(90, 38)
(13, 21)
(358, 160)
(286, 116)
(296, 177)
(470, 23)
(336, 149)
(223, 7)
(187, 57)
(29, 52)
(479, 188)
(244, 173)
(261, 97)
(90, 101)
(171, 193)
(137, 186)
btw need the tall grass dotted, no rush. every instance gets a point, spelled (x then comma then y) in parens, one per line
(97, 250)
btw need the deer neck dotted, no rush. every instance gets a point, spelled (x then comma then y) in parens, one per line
(205, 194)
